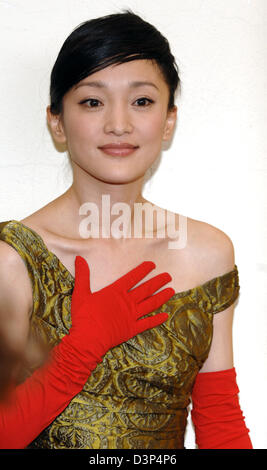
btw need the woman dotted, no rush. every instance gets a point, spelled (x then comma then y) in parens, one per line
(112, 104)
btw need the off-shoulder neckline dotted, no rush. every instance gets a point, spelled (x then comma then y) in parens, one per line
(54, 256)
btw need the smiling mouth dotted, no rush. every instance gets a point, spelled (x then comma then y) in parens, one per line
(118, 150)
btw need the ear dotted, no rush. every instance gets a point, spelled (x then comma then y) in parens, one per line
(170, 123)
(56, 126)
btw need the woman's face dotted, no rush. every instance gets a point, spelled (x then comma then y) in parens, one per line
(112, 106)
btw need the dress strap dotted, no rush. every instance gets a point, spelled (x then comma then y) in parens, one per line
(224, 290)
(22, 240)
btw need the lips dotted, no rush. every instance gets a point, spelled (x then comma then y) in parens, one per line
(118, 149)
(121, 145)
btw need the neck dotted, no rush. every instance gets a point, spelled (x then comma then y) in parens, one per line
(89, 189)
(99, 205)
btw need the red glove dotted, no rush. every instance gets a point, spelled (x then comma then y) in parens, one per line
(100, 321)
(216, 414)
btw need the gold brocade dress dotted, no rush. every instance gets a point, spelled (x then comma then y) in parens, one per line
(137, 398)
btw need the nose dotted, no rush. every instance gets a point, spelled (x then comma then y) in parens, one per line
(118, 119)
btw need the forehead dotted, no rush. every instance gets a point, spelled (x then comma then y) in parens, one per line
(142, 72)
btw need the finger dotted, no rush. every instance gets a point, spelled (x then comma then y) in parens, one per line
(82, 275)
(149, 287)
(154, 302)
(135, 275)
(151, 322)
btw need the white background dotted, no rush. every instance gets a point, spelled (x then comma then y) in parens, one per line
(215, 169)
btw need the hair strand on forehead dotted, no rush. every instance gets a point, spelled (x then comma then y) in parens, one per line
(107, 40)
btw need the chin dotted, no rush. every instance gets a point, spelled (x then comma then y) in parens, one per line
(116, 177)
(119, 180)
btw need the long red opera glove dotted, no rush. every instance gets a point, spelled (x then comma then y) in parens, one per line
(216, 414)
(100, 321)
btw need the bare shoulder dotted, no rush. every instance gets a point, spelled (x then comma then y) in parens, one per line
(212, 247)
(208, 253)
(214, 252)
(49, 212)
(217, 255)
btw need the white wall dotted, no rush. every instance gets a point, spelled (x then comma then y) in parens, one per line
(216, 168)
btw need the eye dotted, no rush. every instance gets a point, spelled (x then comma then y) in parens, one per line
(94, 102)
(144, 99)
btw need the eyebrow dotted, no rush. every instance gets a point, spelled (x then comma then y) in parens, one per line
(99, 84)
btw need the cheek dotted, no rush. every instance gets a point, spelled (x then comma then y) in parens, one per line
(79, 131)
(153, 128)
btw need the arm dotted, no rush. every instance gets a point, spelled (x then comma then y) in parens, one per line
(221, 352)
(216, 414)
(15, 308)
(100, 321)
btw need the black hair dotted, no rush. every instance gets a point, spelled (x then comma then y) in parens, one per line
(111, 39)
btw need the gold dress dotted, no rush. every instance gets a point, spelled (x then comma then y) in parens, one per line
(137, 398)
